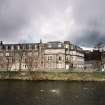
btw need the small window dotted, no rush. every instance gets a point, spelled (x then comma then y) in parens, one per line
(9, 47)
(18, 47)
(49, 57)
(13, 60)
(35, 47)
(23, 47)
(6, 47)
(59, 45)
(72, 47)
(60, 58)
(30, 46)
(12, 47)
(49, 45)
(7, 54)
(67, 58)
(25, 66)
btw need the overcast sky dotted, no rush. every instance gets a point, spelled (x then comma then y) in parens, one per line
(79, 21)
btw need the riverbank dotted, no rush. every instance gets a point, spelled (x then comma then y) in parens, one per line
(70, 76)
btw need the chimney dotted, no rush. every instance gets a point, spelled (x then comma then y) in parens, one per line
(66, 42)
(40, 41)
(1, 42)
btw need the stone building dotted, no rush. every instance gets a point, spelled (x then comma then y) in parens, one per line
(77, 57)
(53, 55)
(101, 48)
(92, 60)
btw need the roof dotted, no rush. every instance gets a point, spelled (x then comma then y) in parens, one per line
(55, 45)
(95, 55)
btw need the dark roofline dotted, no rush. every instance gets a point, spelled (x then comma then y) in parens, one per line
(20, 44)
(54, 42)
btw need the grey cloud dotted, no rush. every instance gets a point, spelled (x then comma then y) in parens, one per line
(14, 16)
(90, 38)
(90, 16)
(21, 19)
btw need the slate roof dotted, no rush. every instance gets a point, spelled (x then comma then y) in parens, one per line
(55, 45)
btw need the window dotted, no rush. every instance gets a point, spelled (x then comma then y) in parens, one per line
(59, 45)
(18, 47)
(30, 46)
(6, 47)
(67, 58)
(35, 47)
(49, 58)
(13, 60)
(72, 47)
(25, 66)
(7, 54)
(24, 46)
(67, 46)
(12, 47)
(49, 45)
(60, 58)
(9, 47)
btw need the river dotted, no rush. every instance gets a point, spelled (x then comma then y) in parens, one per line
(51, 93)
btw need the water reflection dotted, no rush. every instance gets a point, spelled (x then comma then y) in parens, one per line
(51, 93)
(56, 91)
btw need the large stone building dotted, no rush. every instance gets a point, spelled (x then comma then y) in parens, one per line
(95, 60)
(92, 60)
(101, 48)
(41, 56)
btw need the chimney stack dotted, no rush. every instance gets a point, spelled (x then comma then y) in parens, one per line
(1, 42)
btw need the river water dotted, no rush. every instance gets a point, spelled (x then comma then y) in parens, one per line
(51, 93)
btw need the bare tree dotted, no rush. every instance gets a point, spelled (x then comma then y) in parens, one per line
(29, 62)
(2, 63)
(7, 63)
(20, 54)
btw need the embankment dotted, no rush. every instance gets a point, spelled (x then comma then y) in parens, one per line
(71, 76)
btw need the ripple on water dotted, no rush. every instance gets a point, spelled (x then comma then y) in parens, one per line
(41, 90)
(56, 91)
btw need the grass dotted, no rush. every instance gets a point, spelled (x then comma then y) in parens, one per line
(39, 75)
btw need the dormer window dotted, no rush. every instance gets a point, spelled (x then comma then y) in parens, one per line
(9, 47)
(23, 46)
(30, 46)
(6, 47)
(49, 45)
(59, 45)
(0, 47)
(18, 47)
(35, 47)
(12, 47)
(72, 47)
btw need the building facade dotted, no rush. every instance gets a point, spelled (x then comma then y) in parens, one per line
(92, 60)
(53, 55)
